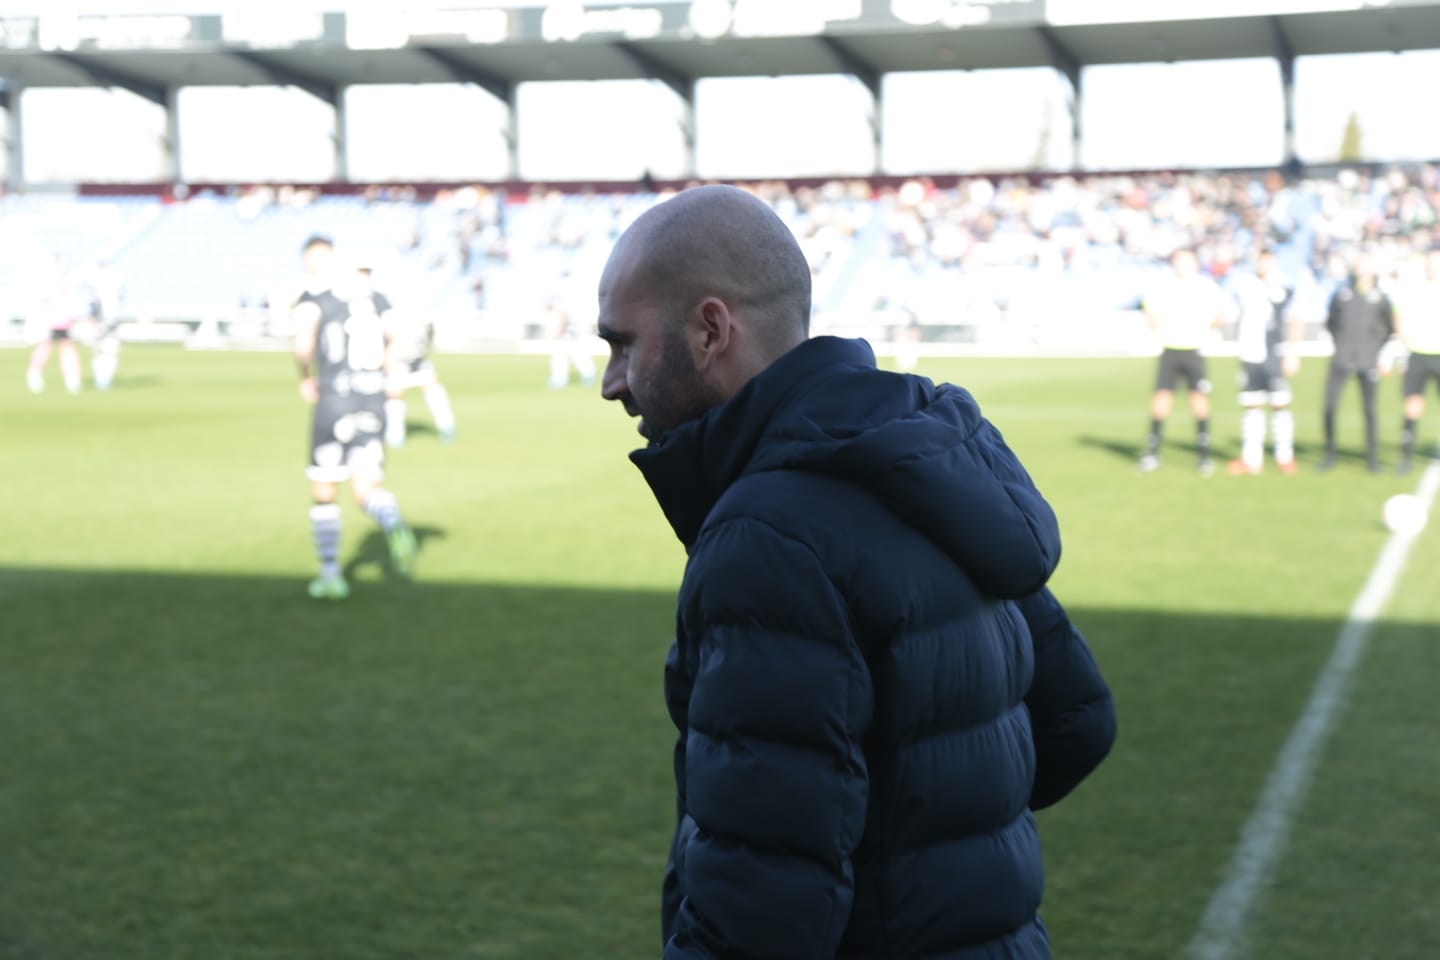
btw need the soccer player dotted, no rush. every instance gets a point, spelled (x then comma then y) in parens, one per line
(1360, 320)
(104, 338)
(105, 353)
(566, 330)
(1417, 320)
(341, 348)
(1268, 334)
(1183, 310)
(413, 369)
(49, 325)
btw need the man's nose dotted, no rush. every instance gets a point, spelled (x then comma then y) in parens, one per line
(613, 385)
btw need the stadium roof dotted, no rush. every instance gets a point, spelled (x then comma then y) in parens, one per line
(156, 54)
(677, 42)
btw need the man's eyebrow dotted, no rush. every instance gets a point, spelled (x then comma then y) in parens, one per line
(611, 335)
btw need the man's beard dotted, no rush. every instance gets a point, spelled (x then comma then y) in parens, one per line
(677, 389)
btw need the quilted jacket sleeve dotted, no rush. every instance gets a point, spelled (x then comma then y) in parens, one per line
(677, 702)
(1072, 713)
(775, 781)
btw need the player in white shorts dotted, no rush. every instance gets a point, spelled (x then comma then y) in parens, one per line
(1268, 330)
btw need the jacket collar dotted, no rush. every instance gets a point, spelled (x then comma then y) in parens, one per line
(692, 465)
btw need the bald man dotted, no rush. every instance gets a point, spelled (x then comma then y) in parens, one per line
(871, 685)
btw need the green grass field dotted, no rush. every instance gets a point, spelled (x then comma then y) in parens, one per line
(200, 763)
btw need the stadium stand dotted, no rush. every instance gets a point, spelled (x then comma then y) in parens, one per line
(953, 262)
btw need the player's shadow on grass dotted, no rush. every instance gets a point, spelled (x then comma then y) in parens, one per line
(1307, 451)
(1131, 452)
(1120, 449)
(374, 552)
(142, 381)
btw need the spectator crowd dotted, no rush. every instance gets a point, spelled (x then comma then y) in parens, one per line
(1057, 261)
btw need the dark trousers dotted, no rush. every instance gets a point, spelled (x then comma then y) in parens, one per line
(1333, 386)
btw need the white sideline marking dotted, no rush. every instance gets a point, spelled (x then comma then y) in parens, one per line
(1221, 933)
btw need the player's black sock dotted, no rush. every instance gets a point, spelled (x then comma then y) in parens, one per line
(1202, 438)
(1330, 433)
(1152, 443)
(1407, 438)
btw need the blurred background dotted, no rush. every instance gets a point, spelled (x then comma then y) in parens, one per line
(201, 762)
(470, 151)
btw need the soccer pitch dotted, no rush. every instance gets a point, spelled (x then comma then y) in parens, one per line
(201, 762)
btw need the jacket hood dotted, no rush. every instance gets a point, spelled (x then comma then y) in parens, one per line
(922, 449)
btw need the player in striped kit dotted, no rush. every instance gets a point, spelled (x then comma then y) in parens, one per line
(342, 349)
(1268, 332)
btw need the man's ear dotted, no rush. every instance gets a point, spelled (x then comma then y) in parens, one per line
(714, 328)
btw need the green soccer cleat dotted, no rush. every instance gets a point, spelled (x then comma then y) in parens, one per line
(329, 588)
(401, 541)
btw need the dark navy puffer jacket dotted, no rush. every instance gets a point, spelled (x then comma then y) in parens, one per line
(856, 762)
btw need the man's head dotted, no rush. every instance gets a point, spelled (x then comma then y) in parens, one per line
(1185, 262)
(1366, 272)
(700, 294)
(317, 254)
(1265, 264)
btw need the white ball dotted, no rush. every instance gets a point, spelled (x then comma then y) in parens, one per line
(1405, 513)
